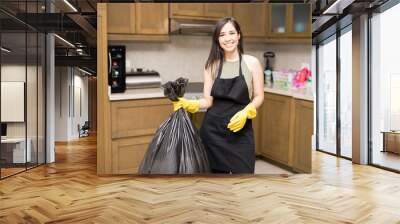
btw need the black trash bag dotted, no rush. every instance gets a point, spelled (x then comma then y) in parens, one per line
(176, 147)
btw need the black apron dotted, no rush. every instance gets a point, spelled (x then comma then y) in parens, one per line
(228, 151)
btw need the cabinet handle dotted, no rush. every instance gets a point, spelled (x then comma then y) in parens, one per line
(109, 62)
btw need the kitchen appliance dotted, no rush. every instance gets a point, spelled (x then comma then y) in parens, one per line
(191, 27)
(3, 130)
(143, 79)
(268, 77)
(116, 69)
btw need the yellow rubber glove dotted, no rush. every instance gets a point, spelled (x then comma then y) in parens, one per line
(238, 120)
(191, 106)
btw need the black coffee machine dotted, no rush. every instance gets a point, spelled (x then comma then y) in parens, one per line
(268, 77)
(116, 69)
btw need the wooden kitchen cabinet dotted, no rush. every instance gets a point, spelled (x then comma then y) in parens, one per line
(252, 18)
(152, 18)
(121, 18)
(217, 10)
(201, 11)
(286, 130)
(257, 125)
(278, 20)
(289, 21)
(300, 20)
(277, 127)
(128, 153)
(187, 9)
(133, 125)
(304, 126)
(137, 21)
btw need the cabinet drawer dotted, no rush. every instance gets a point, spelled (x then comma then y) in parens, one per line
(138, 117)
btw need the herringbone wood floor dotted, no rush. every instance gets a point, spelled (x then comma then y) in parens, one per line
(69, 191)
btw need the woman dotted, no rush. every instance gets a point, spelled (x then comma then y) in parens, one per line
(233, 89)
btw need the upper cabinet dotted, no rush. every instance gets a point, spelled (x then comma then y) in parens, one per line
(127, 20)
(201, 11)
(152, 18)
(217, 10)
(187, 10)
(278, 19)
(260, 22)
(289, 20)
(300, 20)
(121, 18)
(252, 18)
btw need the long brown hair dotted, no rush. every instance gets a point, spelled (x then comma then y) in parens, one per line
(217, 53)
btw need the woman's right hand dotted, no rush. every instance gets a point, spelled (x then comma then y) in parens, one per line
(191, 106)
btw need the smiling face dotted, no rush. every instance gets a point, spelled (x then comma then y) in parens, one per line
(229, 38)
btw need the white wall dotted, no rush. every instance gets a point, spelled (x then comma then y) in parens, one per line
(17, 73)
(71, 88)
(186, 55)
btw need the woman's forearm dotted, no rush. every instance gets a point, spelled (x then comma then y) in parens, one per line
(258, 100)
(205, 103)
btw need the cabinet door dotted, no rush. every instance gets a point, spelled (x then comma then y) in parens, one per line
(276, 128)
(151, 18)
(278, 22)
(300, 20)
(302, 138)
(187, 9)
(252, 18)
(217, 10)
(121, 18)
(128, 153)
(257, 128)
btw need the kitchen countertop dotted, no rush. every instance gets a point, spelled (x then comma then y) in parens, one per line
(195, 91)
(134, 94)
(295, 93)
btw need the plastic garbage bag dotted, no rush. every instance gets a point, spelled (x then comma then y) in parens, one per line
(176, 147)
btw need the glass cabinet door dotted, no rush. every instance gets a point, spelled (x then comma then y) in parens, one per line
(278, 18)
(301, 19)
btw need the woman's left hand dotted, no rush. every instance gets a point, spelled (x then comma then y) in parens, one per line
(238, 120)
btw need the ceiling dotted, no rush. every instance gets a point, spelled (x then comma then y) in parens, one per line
(330, 15)
(76, 24)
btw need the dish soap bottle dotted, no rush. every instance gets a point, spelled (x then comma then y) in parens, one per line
(268, 78)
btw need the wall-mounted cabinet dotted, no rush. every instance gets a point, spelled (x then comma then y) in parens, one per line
(273, 22)
(187, 10)
(260, 22)
(217, 10)
(300, 20)
(152, 18)
(121, 18)
(200, 11)
(252, 18)
(137, 21)
(289, 21)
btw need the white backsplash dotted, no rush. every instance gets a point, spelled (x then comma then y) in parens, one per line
(185, 56)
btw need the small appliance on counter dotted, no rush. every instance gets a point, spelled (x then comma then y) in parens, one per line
(268, 76)
(139, 78)
(116, 69)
